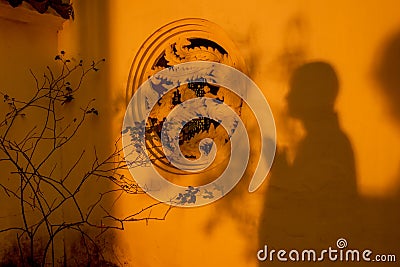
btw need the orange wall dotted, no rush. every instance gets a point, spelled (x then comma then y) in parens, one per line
(273, 37)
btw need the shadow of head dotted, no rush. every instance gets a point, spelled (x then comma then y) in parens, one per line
(388, 73)
(313, 90)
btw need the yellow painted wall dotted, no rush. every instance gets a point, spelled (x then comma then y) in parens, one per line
(274, 38)
(27, 40)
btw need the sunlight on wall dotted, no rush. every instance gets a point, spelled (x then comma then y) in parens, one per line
(26, 40)
(274, 38)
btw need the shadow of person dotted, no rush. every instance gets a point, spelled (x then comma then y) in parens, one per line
(385, 215)
(388, 74)
(311, 203)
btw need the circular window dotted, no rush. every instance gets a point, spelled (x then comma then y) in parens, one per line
(178, 42)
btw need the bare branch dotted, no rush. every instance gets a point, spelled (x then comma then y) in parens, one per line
(42, 192)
